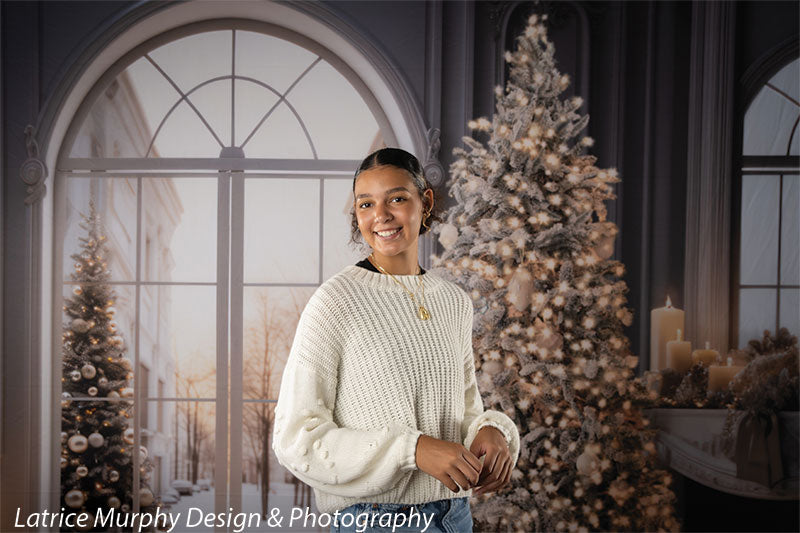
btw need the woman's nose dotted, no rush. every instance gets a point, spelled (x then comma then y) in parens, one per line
(382, 214)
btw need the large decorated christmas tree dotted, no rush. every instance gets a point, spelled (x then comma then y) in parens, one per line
(528, 239)
(97, 437)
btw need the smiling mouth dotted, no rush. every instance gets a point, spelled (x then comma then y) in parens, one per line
(388, 233)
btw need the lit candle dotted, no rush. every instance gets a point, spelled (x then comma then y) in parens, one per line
(707, 356)
(679, 354)
(719, 376)
(664, 324)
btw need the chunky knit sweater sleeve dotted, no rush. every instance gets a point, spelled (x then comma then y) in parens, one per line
(336, 460)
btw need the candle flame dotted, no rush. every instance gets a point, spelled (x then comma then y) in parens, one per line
(669, 302)
(680, 335)
(730, 361)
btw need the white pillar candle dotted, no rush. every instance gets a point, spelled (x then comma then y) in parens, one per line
(707, 356)
(679, 354)
(719, 376)
(664, 324)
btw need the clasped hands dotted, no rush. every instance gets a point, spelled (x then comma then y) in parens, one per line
(455, 466)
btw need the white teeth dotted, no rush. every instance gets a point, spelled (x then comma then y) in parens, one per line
(388, 233)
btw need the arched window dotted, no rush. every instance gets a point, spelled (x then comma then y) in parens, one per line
(219, 156)
(768, 287)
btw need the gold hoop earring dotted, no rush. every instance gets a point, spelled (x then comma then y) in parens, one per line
(425, 220)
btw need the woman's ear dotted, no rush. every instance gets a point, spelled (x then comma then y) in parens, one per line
(427, 199)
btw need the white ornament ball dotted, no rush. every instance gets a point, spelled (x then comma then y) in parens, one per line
(74, 498)
(64, 436)
(127, 392)
(113, 476)
(79, 325)
(520, 289)
(587, 463)
(96, 440)
(92, 391)
(605, 248)
(66, 399)
(88, 371)
(448, 235)
(125, 508)
(113, 394)
(63, 462)
(114, 502)
(82, 471)
(75, 376)
(102, 381)
(78, 443)
(128, 436)
(146, 497)
(492, 367)
(142, 454)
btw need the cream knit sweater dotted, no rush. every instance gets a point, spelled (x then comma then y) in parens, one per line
(366, 377)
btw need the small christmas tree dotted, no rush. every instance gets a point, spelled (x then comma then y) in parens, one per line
(97, 440)
(529, 241)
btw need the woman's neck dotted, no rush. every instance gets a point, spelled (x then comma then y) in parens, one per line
(400, 265)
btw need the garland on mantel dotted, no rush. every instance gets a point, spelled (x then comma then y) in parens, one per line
(767, 384)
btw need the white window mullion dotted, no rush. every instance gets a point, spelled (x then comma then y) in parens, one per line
(137, 384)
(221, 432)
(237, 338)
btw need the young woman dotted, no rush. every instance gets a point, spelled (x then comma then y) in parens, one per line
(379, 410)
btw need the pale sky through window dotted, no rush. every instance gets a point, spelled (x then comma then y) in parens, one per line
(286, 102)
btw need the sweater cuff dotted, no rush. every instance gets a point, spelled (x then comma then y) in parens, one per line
(408, 458)
(502, 423)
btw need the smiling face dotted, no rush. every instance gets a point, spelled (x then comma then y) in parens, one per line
(389, 211)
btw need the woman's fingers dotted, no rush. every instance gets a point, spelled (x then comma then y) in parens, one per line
(474, 462)
(459, 477)
(498, 478)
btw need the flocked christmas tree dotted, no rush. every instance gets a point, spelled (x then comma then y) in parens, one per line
(529, 241)
(97, 437)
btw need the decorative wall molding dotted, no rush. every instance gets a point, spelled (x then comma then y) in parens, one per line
(433, 169)
(709, 197)
(33, 170)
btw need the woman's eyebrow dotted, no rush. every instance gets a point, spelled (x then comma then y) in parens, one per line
(390, 191)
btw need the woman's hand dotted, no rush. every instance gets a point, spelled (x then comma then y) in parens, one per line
(497, 463)
(449, 462)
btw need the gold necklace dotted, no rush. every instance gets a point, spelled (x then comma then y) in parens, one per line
(422, 313)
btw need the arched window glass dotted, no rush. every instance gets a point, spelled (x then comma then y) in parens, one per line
(220, 159)
(771, 120)
(200, 94)
(768, 288)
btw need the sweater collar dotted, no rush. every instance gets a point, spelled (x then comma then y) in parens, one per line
(385, 282)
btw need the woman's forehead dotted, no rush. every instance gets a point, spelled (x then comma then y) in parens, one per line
(383, 178)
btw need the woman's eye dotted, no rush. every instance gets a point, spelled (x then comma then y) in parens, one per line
(398, 198)
(363, 205)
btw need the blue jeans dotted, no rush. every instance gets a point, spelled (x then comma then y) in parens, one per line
(442, 516)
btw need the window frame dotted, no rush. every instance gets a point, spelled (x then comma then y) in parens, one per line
(754, 80)
(230, 173)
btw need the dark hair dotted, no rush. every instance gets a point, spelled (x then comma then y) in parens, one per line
(395, 157)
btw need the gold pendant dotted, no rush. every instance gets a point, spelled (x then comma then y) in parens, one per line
(423, 313)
